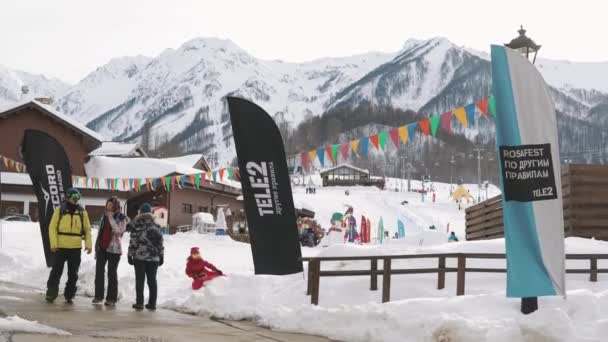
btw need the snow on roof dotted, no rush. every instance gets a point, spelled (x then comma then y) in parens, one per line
(204, 218)
(70, 121)
(188, 160)
(345, 165)
(113, 167)
(111, 148)
(16, 178)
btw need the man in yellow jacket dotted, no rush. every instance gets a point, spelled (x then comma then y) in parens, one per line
(69, 226)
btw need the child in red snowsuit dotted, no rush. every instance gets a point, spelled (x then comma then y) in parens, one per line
(200, 270)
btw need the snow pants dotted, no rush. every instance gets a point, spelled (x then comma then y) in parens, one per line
(112, 260)
(72, 257)
(145, 271)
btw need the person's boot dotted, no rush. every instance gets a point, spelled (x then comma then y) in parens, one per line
(110, 303)
(97, 301)
(51, 295)
(150, 307)
(137, 306)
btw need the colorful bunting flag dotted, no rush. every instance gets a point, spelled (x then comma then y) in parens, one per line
(446, 121)
(470, 110)
(355, 146)
(394, 133)
(435, 119)
(321, 156)
(312, 154)
(304, 161)
(182, 182)
(197, 181)
(382, 136)
(403, 134)
(209, 176)
(363, 146)
(344, 151)
(231, 173)
(214, 173)
(330, 155)
(374, 140)
(461, 115)
(425, 126)
(168, 183)
(483, 106)
(221, 172)
(411, 130)
(334, 152)
(492, 106)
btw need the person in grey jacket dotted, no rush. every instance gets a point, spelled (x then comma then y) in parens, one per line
(146, 254)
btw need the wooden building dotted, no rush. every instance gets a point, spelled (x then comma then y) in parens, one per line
(90, 156)
(585, 203)
(347, 175)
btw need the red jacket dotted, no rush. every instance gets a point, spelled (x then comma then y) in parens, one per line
(199, 266)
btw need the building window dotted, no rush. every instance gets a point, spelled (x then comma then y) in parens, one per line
(187, 208)
(162, 215)
(203, 209)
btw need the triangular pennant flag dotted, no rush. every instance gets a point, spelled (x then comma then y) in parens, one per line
(425, 126)
(214, 175)
(411, 130)
(221, 172)
(304, 161)
(208, 176)
(446, 121)
(363, 146)
(435, 119)
(155, 183)
(5, 162)
(328, 150)
(231, 173)
(382, 136)
(374, 140)
(403, 134)
(131, 183)
(197, 181)
(73, 179)
(192, 179)
(168, 183)
(344, 151)
(461, 115)
(355, 146)
(178, 182)
(136, 184)
(108, 184)
(182, 182)
(394, 133)
(483, 106)
(173, 179)
(312, 154)
(321, 156)
(492, 106)
(116, 182)
(334, 152)
(470, 110)
(236, 174)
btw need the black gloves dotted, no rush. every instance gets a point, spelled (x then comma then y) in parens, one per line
(162, 261)
(130, 260)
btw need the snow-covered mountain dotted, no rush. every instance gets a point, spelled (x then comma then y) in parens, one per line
(179, 95)
(11, 82)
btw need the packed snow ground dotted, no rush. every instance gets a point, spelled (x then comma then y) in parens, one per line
(348, 310)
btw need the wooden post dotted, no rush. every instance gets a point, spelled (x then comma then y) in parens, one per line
(460, 280)
(441, 274)
(386, 280)
(314, 298)
(374, 278)
(593, 274)
(309, 285)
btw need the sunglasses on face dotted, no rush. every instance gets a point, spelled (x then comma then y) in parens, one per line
(75, 197)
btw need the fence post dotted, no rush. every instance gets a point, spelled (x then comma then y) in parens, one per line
(593, 273)
(309, 285)
(374, 278)
(386, 280)
(441, 274)
(316, 265)
(460, 280)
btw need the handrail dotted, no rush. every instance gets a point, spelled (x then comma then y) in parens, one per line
(315, 273)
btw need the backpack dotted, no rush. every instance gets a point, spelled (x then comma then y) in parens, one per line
(64, 211)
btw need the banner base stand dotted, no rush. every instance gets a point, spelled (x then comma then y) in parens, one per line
(529, 305)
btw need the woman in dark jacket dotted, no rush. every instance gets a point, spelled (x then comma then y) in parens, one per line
(146, 254)
(108, 249)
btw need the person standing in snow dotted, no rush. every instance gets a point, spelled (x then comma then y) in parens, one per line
(108, 250)
(452, 237)
(200, 270)
(69, 226)
(146, 254)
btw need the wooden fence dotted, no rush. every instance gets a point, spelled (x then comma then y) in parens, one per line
(585, 203)
(315, 273)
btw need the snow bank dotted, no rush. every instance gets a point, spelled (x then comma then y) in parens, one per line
(14, 324)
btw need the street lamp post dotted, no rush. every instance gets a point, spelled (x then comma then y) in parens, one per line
(526, 47)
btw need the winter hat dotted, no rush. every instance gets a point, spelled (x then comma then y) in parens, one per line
(194, 250)
(145, 208)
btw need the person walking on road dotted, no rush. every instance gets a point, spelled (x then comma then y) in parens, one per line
(146, 254)
(69, 226)
(108, 250)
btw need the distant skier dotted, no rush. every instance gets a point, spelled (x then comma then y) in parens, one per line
(452, 237)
